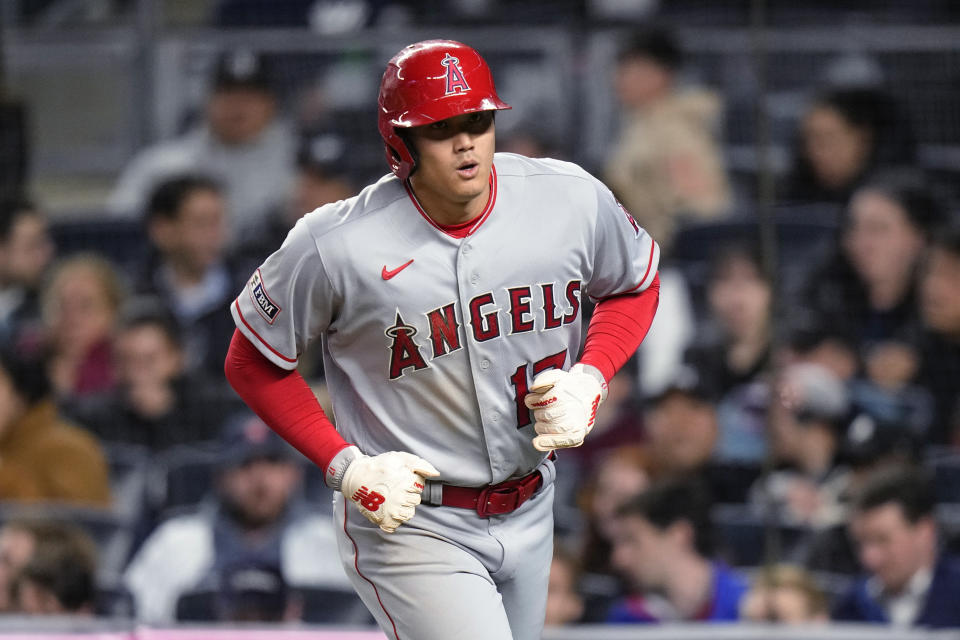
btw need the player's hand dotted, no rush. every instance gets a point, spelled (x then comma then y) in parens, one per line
(386, 488)
(564, 405)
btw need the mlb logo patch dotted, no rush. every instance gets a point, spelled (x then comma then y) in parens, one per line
(266, 307)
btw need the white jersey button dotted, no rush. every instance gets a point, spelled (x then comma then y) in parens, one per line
(474, 279)
(484, 364)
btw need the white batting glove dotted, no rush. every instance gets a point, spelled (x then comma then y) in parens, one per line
(564, 405)
(386, 488)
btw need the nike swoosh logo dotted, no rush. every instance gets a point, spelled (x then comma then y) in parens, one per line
(386, 275)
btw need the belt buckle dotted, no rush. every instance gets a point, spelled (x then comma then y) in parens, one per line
(497, 500)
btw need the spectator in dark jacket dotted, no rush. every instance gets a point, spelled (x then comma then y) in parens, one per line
(909, 582)
(940, 308)
(157, 402)
(25, 254)
(189, 268)
(662, 542)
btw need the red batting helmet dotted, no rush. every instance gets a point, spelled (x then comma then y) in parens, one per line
(426, 82)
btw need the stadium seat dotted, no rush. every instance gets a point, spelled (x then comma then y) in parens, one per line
(123, 242)
(183, 476)
(741, 535)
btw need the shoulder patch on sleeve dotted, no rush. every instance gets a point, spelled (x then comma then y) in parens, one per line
(266, 307)
(630, 219)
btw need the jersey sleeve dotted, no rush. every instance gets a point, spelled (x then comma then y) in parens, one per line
(625, 255)
(287, 301)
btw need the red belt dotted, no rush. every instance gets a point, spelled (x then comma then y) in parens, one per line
(493, 499)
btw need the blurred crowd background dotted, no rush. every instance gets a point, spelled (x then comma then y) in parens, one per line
(783, 448)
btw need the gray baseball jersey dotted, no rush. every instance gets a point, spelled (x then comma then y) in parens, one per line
(430, 341)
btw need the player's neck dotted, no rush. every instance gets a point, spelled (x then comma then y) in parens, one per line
(446, 211)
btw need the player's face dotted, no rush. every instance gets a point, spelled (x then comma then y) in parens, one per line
(453, 168)
(939, 299)
(891, 547)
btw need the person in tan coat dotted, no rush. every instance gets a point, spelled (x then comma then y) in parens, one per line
(43, 457)
(667, 166)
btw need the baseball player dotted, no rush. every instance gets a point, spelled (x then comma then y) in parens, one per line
(448, 299)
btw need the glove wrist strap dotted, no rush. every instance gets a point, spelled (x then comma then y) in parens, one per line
(593, 372)
(338, 466)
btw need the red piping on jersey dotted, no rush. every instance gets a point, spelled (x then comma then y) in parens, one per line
(236, 303)
(456, 231)
(356, 565)
(653, 245)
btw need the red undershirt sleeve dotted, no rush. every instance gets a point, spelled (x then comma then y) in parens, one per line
(618, 326)
(283, 400)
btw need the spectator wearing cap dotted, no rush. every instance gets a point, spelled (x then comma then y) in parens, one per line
(940, 310)
(908, 581)
(254, 518)
(157, 403)
(324, 174)
(667, 166)
(809, 409)
(189, 267)
(662, 544)
(43, 457)
(242, 141)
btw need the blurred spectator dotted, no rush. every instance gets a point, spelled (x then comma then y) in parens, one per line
(564, 602)
(25, 254)
(808, 413)
(866, 290)
(619, 474)
(667, 166)
(80, 304)
(662, 542)
(254, 520)
(823, 346)
(188, 267)
(908, 581)
(46, 566)
(681, 427)
(42, 457)
(845, 135)
(242, 142)
(156, 403)
(323, 175)
(59, 577)
(784, 594)
(940, 307)
(734, 350)
(868, 446)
